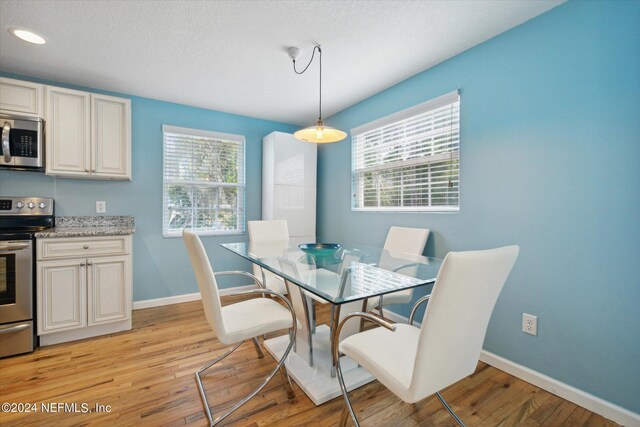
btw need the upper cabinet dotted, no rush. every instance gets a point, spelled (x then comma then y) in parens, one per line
(21, 98)
(88, 135)
(68, 132)
(111, 137)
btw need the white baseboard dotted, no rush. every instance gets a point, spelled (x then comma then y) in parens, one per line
(588, 401)
(158, 302)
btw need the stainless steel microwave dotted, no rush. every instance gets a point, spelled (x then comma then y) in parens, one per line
(22, 144)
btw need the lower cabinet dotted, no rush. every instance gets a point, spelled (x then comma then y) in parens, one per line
(79, 297)
(108, 289)
(62, 287)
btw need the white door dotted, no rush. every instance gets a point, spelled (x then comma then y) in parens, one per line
(109, 287)
(68, 137)
(110, 137)
(61, 295)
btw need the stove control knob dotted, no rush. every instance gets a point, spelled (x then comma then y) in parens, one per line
(42, 205)
(31, 205)
(19, 205)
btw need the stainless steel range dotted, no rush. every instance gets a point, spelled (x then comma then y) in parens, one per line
(20, 219)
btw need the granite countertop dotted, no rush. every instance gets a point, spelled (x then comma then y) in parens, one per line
(90, 226)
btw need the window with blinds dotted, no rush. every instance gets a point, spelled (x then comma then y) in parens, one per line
(409, 161)
(203, 182)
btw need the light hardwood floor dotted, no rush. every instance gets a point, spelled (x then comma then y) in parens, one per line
(147, 377)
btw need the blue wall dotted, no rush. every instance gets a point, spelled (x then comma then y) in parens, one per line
(160, 266)
(550, 160)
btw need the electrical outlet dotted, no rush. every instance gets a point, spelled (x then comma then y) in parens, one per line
(529, 324)
(101, 206)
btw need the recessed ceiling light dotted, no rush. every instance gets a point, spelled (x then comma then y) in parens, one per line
(27, 36)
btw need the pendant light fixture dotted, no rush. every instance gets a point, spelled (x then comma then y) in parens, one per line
(318, 133)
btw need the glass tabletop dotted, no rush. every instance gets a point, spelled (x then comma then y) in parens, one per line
(341, 273)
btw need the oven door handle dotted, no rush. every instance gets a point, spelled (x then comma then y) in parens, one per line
(13, 248)
(6, 150)
(16, 328)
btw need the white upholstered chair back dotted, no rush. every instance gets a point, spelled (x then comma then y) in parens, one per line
(457, 316)
(206, 282)
(400, 240)
(268, 231)
(404, 239)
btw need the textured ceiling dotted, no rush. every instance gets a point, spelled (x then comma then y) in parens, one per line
(231, 55)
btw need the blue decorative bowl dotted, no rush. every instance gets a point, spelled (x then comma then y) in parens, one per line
(323, 255)
(320, 249)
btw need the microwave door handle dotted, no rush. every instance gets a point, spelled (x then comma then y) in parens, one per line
(5, 142)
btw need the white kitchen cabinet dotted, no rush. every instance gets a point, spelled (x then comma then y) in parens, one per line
(62, 287)
(110, 137)
(21, 97)
(68, 132)
(81, 291)
(88, 135)
(108, 288)
(289, 183)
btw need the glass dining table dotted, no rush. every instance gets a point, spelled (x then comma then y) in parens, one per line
(346, 276)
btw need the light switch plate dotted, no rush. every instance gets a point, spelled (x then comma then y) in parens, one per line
(101, 206)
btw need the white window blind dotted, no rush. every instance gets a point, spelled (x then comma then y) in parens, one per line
(203, 182)
(409, 161)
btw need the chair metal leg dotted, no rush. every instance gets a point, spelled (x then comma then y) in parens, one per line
(345, 394)
(287, 382)
(256, 344)
(205, 401)
(448, 408)
(344, 415)
(203, 395)
(348, 409)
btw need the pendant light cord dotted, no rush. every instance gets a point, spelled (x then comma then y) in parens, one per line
(313, 54)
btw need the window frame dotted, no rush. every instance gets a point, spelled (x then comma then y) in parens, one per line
(242, 186)
(407, 113)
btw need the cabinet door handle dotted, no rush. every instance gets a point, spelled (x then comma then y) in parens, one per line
(86, 246)
(83, 264)
(89, 264)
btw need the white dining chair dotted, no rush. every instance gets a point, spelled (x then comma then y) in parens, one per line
(265, 232)
(415, 363)
(235, 323)
(400, 240)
